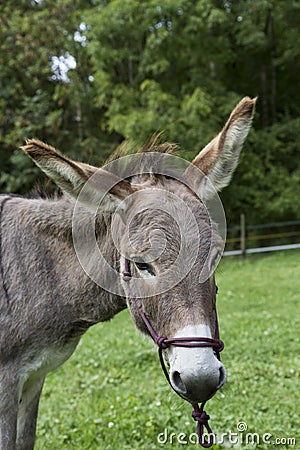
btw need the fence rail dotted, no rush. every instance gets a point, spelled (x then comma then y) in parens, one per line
(243, 239)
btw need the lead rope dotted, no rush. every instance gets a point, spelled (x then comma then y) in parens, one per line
(198, 414)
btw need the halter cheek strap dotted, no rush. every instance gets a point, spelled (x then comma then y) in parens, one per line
(198, 414)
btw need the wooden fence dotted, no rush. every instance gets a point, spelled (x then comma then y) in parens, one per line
(246, 239)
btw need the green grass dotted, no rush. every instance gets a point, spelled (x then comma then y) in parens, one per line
(112, 394)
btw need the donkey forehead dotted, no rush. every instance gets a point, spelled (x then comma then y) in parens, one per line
(166, 195)
(172, 209)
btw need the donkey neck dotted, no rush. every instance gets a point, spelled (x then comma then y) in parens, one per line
(41, 237)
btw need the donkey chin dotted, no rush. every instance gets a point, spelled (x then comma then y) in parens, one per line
(195, 372)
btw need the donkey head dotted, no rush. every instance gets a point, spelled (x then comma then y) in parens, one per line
(161, 224)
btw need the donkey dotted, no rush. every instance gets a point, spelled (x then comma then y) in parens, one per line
(48, 299)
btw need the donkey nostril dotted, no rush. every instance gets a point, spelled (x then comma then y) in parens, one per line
(222, 378)
(178, 383)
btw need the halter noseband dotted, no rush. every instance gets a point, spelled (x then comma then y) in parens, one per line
(162, 342)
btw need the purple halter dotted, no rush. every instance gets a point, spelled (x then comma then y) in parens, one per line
(162, 342)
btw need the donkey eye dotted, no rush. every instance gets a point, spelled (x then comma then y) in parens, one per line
(142, 266)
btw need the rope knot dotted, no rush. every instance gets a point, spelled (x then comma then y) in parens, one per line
(220, 346)
(200, 417)
(126, 276)
(202, 423)
(161, 342)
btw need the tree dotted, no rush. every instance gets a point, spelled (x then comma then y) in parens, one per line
(37, 99)
(144, 66)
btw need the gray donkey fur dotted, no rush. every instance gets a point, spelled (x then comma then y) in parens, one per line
(47, 301)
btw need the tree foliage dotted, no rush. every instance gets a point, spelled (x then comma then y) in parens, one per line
(144, 66)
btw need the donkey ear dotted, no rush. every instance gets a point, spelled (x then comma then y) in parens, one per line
(99, 185)
(219, 158)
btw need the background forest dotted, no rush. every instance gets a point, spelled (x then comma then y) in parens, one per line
(85, 75)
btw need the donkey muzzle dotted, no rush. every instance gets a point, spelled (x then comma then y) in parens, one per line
(195, 373)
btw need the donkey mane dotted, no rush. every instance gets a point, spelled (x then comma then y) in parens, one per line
(154, 144)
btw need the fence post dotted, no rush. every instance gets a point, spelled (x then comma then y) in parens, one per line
(243, 235)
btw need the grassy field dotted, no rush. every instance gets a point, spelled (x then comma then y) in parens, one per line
(112, 395)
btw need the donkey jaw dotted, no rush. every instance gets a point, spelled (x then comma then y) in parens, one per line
(195, 373)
